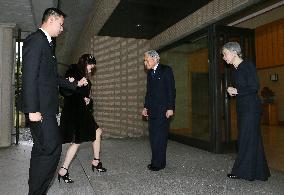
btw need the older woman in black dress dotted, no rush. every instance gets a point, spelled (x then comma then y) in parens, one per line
(77, 122)
(250, 163)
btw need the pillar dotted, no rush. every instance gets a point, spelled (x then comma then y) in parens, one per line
(7, 63)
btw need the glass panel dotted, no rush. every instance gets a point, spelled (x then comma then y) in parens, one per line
(190, 65)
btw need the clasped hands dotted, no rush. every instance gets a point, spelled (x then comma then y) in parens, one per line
(87, 100)
(82, 82)
(232, 91)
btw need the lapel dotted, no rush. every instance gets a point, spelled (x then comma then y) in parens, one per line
(157, 75)
(52, 50)
(51, 45)
(158, 71)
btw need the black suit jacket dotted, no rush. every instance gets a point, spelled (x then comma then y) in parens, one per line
(40, 78)
(161, 92)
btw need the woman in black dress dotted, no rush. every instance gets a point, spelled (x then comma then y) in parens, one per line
(250, 163)
(77, 123)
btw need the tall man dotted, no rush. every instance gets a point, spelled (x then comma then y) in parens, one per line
(158, 107)
(40, 99)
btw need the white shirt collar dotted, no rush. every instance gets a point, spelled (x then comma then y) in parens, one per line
(47, 35)
(155, 67)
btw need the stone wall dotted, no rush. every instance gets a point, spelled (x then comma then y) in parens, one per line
(119, 84)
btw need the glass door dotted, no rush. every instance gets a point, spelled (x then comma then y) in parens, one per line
(189, 61)
(205, 115)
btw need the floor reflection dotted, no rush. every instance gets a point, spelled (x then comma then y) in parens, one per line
(273, 140)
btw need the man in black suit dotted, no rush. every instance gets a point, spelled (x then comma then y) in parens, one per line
(158, 107)
(40, 99)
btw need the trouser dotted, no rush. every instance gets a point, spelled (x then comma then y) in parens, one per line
(158, 135)
(45, 154)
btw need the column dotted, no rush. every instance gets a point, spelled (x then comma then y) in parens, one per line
(7, 63)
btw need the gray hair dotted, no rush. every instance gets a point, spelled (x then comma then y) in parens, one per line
(153, 54)
(233, 46)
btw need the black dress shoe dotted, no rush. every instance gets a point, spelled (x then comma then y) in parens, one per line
(232, 176)
(152, 168)
(149, 166)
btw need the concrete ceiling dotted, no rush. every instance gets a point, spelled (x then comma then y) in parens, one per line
(144, 19)
(77, 12)
(25, 13)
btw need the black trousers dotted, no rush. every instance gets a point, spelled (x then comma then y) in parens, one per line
(158, 135)
(45, 154)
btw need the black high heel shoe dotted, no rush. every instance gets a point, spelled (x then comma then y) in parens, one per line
(99, 167)
(65, 177)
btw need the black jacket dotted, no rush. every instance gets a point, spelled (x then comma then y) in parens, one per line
(161, 92)
(40, 77)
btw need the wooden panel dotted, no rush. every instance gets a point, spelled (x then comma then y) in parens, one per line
(269, 44)
(274, 49)
(269, 115)
(280, 42)
(198, 61)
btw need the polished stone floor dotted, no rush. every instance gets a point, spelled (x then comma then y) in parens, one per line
(273, 140)
(189, 171)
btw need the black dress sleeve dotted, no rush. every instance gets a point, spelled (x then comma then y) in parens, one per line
(65, 92)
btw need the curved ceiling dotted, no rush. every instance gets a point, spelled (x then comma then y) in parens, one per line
(131, 18)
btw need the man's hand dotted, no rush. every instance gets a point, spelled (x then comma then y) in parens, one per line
(145, 112)
(82, 82)
(35, 117)
(169, 113)
(87, 100)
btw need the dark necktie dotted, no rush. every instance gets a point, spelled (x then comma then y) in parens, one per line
(52, 47)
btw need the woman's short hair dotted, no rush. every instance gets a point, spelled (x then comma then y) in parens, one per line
(153, 54)
(233, 46)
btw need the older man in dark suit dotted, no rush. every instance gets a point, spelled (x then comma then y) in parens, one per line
(40, 99)
(158, 107)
